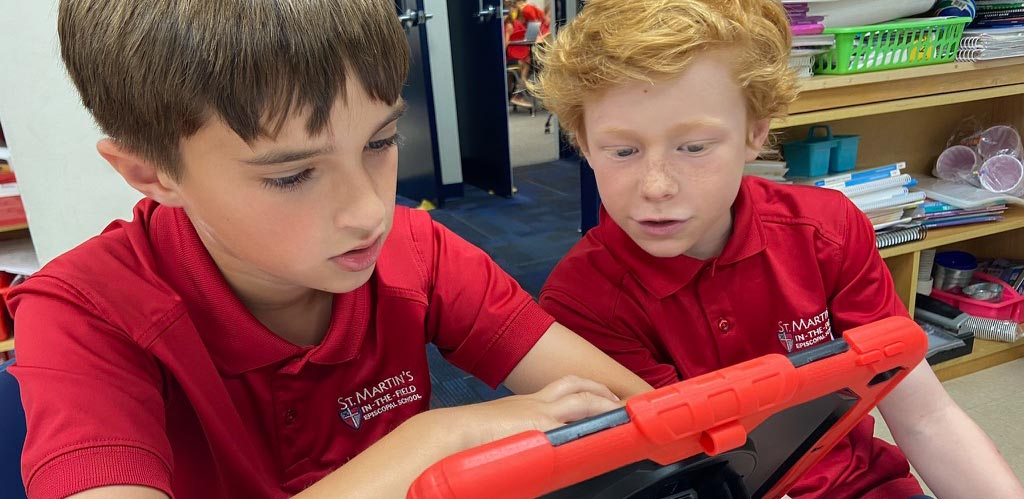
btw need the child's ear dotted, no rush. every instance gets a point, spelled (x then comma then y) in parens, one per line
(758, 134)
(140, 173)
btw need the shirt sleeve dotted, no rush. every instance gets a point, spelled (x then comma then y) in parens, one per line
(619, 336)
(480, 318)
(92, 397)
(863, 292)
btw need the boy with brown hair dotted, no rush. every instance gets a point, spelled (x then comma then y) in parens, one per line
(259, 328)
(694, 267)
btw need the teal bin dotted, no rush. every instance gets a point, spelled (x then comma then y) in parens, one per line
(817, 155)
(809, 157)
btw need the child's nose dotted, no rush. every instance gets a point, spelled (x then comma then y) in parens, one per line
(358, 205)
(657, 183)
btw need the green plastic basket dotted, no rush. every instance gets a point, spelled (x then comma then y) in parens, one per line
(898, 44)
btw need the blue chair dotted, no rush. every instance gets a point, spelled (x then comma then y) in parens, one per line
(12, 435)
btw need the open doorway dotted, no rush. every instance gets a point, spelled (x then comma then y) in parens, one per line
(533, 131)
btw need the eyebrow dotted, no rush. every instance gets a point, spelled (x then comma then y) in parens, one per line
(699, 123)
(291, 156)
(677, 128)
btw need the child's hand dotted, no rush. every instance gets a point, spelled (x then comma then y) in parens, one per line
(564, 401)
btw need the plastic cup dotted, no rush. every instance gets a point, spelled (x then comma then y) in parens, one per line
(1003, 174)
(957, 164)
(1000, 139)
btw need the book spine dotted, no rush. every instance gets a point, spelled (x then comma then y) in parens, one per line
(903, 180)
(998, 6)
(858, 178)
(873, 197)
(998, 23)
(999, 14)
(912, 197)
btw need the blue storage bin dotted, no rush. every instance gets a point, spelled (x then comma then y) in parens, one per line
(844, 154)
(809, 157)
(817, 155)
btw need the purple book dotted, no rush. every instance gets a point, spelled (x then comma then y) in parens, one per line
(807, 20)
(934, 224)
(807, 29)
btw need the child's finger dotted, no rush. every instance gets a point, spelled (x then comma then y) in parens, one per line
(577, 406)
(573, 384)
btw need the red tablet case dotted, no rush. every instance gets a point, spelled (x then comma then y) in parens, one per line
(708, 414)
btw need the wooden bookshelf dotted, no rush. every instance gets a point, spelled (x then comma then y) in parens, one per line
(7, 345)
(985, 355)
(1013, 220)
(891, 106)
(909, 115)
(14, 228)
(831, 92)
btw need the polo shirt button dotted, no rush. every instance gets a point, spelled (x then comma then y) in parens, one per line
(290, 416)
(724, 325)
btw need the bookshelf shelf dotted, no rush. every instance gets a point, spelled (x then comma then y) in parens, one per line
(986, 354)
(832, 92)
(7, 345)
(891, 106)
(976, 71)
(14, 228)
(908, 115)
(1013, 219)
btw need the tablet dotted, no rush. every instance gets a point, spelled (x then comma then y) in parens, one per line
(746, 431)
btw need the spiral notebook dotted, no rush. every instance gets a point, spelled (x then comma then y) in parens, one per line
(900, 234)
(993, 43)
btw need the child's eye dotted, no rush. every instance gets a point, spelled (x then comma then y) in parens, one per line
(383, 144)
(624, 152)
(289, 182)
(695, 148)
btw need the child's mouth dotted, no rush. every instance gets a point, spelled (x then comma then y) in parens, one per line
(360, 259)
(661, 228)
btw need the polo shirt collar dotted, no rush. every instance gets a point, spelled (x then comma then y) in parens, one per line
(236, 340)
(663, 277)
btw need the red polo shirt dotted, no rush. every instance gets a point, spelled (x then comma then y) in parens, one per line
(532, 13)
(800, 263)
(138, 365)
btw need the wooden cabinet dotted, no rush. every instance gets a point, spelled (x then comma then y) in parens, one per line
(908, 115)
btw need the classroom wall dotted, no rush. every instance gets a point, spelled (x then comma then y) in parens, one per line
(70, 193)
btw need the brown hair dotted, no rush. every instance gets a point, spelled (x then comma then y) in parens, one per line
(152, 72)
(615, 42)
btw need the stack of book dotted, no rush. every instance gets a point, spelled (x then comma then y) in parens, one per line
(998, 14)
(769, 170)
(882, 193)
(934, 214)
(983, 44)
(802, 24)
(808, 40)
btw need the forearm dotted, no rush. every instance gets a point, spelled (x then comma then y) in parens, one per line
(405, 453)
(952, 454)
(560, 352)
(956, 464)
(430, 436)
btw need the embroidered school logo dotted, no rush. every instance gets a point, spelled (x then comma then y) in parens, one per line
(374, 400)
(805, 332)
(787, 341)
(353, 418)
